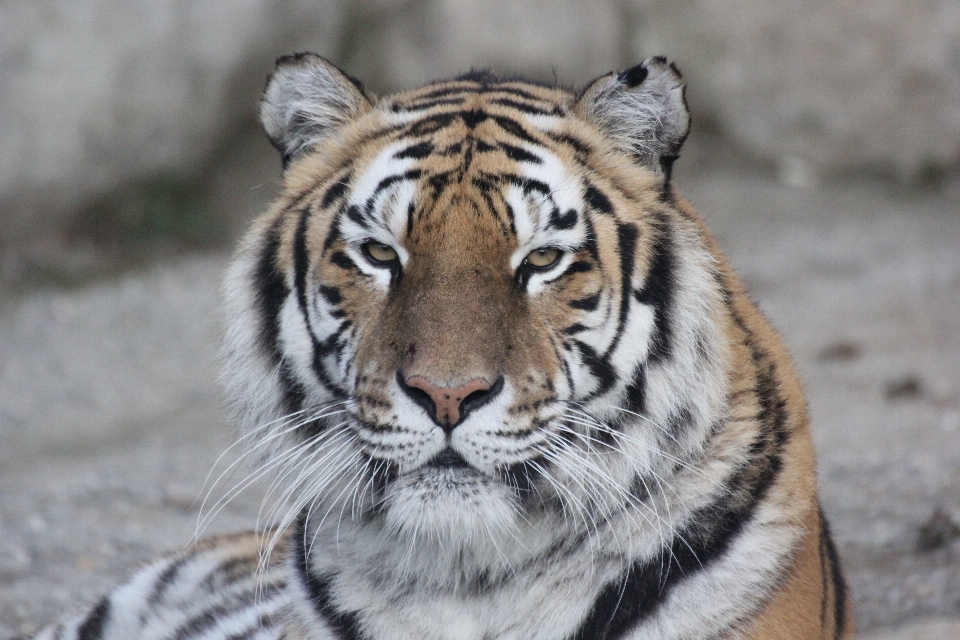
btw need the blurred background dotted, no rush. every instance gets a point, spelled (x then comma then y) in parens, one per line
(825, 153)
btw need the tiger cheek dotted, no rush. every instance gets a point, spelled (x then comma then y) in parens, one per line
(528, 343)
(379, 345)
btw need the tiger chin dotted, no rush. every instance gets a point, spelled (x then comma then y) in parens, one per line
(509, 384)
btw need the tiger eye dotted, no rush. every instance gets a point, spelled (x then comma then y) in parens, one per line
(544, 257)
(379, 252)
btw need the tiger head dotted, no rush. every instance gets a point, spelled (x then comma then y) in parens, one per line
(474, 305)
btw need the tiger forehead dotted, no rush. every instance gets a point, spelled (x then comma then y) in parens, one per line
(465, 145)
(484, 90)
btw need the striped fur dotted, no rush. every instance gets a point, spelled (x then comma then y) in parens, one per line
(635, 461)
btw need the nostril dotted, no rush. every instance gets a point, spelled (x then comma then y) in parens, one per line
(480, 397)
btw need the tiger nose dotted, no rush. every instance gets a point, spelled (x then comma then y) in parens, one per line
(448, 405)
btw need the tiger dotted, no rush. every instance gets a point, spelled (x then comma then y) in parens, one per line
(509, 386)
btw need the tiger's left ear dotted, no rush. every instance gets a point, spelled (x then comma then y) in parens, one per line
(306, 99)
(643, 109)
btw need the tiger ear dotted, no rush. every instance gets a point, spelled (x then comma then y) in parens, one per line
(305, 99)
(643, 109)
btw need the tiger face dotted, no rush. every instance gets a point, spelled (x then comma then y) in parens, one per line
(462, 299)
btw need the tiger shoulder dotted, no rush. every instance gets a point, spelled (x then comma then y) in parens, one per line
(509, 384)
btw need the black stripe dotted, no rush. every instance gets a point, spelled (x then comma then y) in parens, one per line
(839, 583)
(528, 108)
(479, 145)
(464, 86)
(344, 261)
(344, 624)
(417, 151)
(334, 233)
(600, 368)
(579, 146)
(558, 351)
(473, 117)
(657, 292)
(331, 295)
(517, 91)
(423, 105)
(301, 262)
(412, 174)
(587, 304)
(271, 293)
(527, 184)
(411, 209)
(511, 217)
(353, 213)
(165, 579)
(95, 622)
(430, 124)
(567, 220)
(335, 192)
(627, 243)
(439, 182)
(591, 239)
(636, 396)
(229, 572)
(515, 129)
(518, 154)
(597, 200)
(580, 266)
(636, 595)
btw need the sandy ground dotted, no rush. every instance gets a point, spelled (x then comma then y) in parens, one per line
(110, 418)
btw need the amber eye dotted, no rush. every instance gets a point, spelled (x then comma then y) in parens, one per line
(543, 257)
(378, 252)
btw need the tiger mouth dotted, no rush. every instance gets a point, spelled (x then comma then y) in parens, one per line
(449, 459)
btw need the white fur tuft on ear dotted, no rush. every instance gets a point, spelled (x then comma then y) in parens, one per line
(307, 97)
(643, 109)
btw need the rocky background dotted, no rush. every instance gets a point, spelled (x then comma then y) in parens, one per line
(825, 153)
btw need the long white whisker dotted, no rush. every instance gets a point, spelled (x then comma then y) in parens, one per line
(202, 522)
(317, 444)
(315, 489)
(254, 476)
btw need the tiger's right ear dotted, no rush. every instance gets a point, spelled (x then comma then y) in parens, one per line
(306, 98)
(643, 110)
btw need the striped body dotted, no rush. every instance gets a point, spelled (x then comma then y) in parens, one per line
(211, 591)
(507, 383)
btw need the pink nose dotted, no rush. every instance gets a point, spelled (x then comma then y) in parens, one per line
(447, 400)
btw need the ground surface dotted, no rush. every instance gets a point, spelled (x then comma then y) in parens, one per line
(110, 417)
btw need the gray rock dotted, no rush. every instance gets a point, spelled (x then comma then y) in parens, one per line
(926, 630)
(404, 43)
(94, 95)
(819, 87)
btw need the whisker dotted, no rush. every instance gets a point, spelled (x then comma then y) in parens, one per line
(202, 522)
